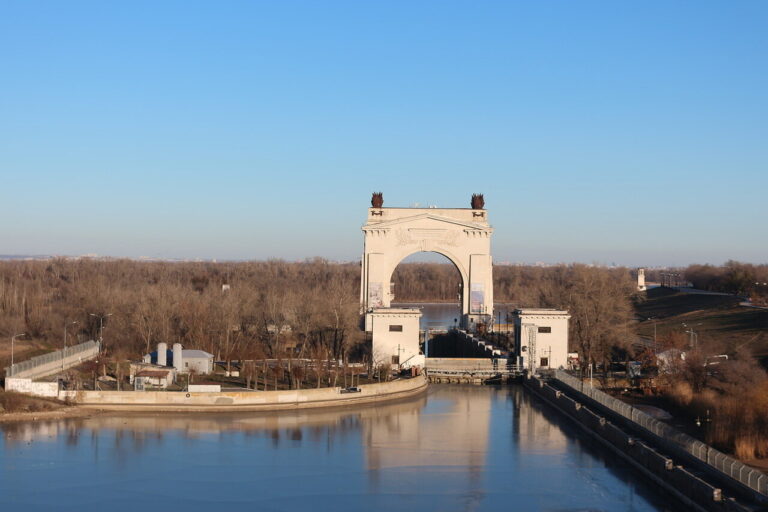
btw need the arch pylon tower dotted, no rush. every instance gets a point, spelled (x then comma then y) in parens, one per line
(463, 235)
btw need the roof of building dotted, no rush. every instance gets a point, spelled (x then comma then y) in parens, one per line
(396, 311)
(540, 311)
(196, 354)
(185, 353)
(153, 373)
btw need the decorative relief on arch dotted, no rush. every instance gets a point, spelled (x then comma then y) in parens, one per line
(404, 238)
(477, 298)
(427, 237)
(451, 239)
(375, 295)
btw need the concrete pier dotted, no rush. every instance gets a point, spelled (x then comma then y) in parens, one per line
(179, 401)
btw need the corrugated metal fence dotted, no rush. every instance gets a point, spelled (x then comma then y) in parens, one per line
(46, 359)
(752, 478)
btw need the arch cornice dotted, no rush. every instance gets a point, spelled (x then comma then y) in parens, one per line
(469, 226)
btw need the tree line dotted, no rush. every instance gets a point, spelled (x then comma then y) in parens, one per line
(232, 310)
(732, 277)
(267, 309)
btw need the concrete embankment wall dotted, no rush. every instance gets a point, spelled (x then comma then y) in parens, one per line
(679, 481)
(462, 363)
(53, 362)
(245, 400)
(721, 468)
(46, 389)
(463, 369)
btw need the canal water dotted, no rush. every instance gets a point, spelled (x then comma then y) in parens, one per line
(443, 316)
(456, 448)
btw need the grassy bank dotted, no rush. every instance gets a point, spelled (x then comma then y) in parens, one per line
(727, 399)
(12, 402)
(721, 324)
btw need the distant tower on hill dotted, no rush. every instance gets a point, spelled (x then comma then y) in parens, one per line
(641, 280)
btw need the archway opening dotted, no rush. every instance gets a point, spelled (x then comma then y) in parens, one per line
(433, 283)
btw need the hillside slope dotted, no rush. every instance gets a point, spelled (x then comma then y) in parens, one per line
(721, 323)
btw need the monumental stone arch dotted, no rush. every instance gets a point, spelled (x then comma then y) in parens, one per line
(462, 235)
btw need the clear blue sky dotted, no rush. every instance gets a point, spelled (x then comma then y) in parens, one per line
(627, 132)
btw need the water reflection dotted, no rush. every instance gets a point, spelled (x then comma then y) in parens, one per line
(436, 315)
(279, 427)
(458, 448)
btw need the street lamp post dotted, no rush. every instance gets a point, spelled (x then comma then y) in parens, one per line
(13, 339)
(694, 336)
(654, 329)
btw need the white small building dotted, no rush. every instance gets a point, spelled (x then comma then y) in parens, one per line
(541, 338)
(670, 360)
(396, 336)
(159, 378)
(147, 375)
(183, 360)
(198, 361)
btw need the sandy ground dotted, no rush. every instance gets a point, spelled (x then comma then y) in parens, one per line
(63, 413)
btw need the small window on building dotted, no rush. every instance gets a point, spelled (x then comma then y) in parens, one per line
(545, 329)
(544, 362)
(395, 328)
(186, 365)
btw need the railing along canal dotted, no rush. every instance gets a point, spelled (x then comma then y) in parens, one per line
(752, 478)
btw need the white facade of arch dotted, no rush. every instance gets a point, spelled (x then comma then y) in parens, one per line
(460, 234)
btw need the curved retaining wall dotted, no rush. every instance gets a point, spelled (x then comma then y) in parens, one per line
(246, 400)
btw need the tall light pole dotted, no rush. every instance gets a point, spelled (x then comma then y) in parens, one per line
(101, 325)
(694, 335)
(654, 329)
(13, 339)
(64, 349)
